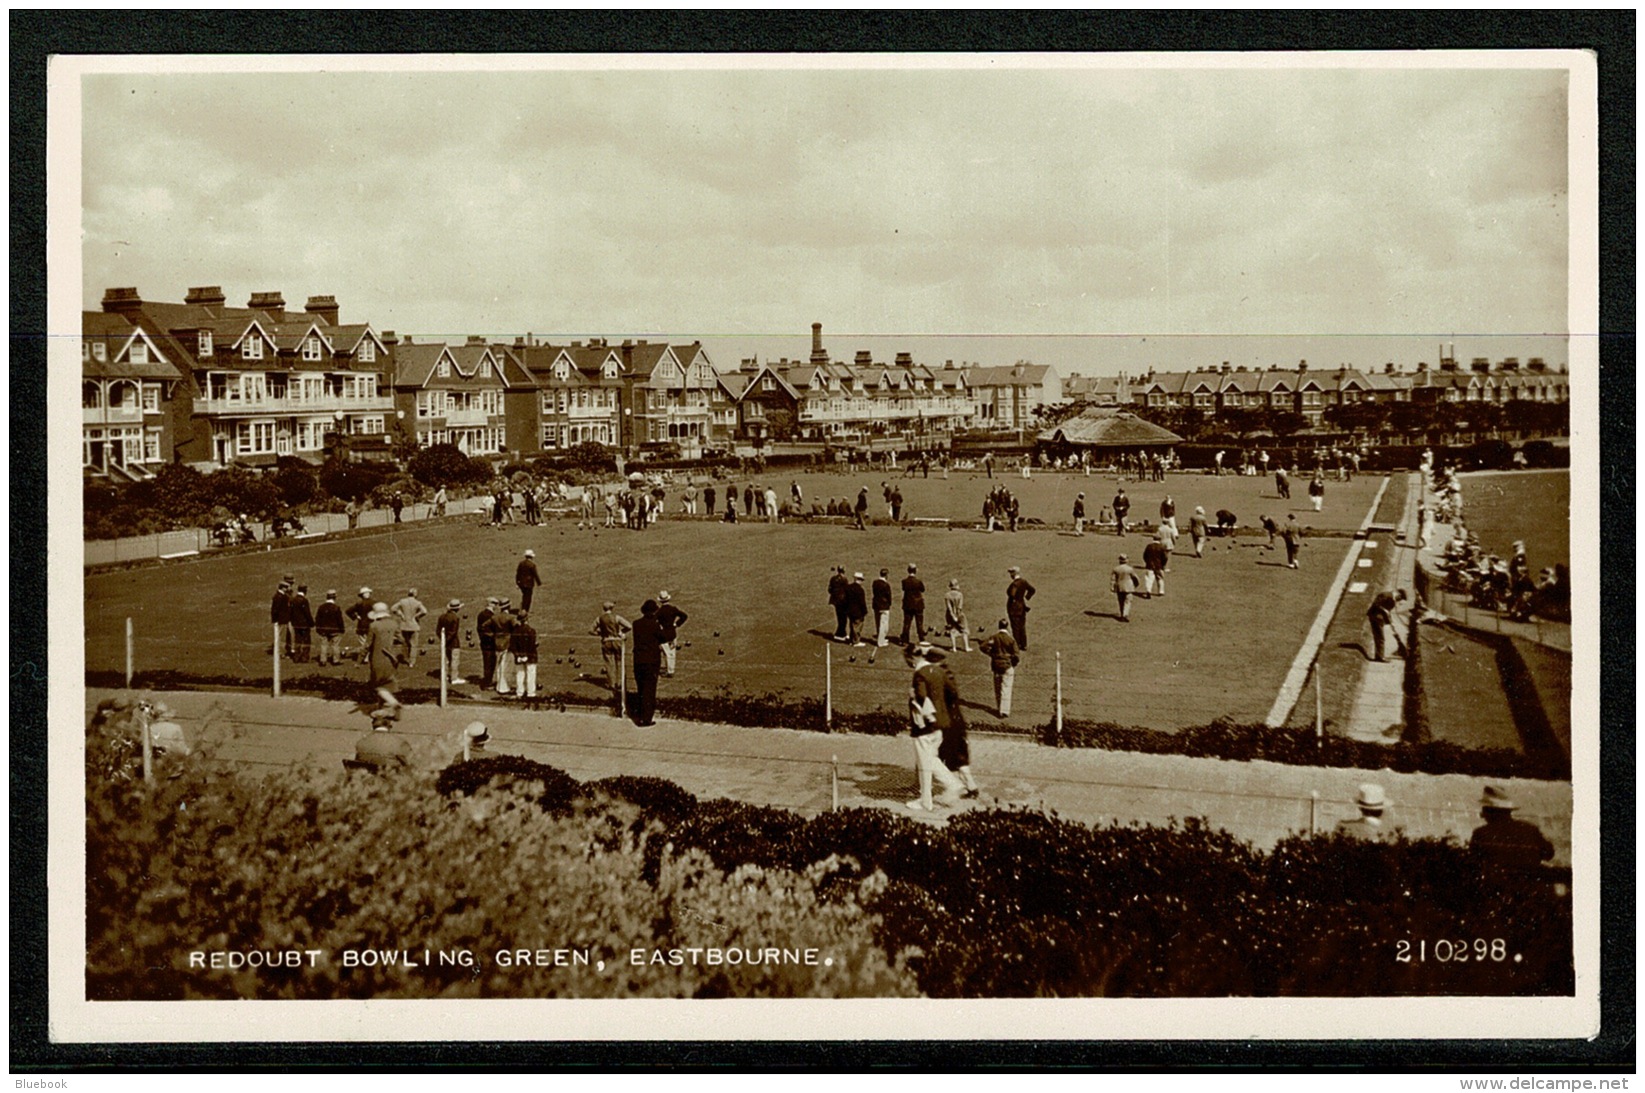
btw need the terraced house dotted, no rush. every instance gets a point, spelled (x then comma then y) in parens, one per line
(257, 382)
(456, 394)
(128, 397)
(578, 393)
(668, 396)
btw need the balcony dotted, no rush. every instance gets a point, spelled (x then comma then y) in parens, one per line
(240, 407)
(467, 417)
(112, 415)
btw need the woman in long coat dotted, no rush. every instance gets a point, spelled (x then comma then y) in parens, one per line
(955, 750)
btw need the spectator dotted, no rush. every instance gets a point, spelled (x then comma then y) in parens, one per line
(1505, 840)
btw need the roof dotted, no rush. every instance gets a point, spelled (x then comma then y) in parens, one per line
(1109, 427)
(1016, 375)
(116, 333)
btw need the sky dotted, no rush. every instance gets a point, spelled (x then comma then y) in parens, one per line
(1095, 219)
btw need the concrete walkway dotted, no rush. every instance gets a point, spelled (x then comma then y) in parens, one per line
(1379, 707)
(1256, 801)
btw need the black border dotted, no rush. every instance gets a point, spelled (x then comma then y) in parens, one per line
(37, 35)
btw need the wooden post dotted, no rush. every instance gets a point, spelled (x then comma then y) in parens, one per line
(129, 652)
(828, 686)
(834, 780)
(1313, 811)
(148, 745)
(465, 745)
(276, 660)
(622, 677)
(445, 655)
(1059, 697)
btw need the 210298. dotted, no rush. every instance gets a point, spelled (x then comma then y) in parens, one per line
(1448, 951)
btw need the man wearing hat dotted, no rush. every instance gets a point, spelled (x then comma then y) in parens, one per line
(1507, 841)
(1123, 581)
(1368, 824)
(1017, 595)
(526, 578)
(881, 606)
(913, 604)
(485, 628)
(409, 612)
(382, 657)
(1079, 515)
(1292, 534)
(446, 629)
(502, 629)
(522, 648)
(1122, 510)
(1001, 650)
(953, 617)
(328, 623)
(302, 625)
(360, 612)
(610, 628)
(648, 662)
(928, 715)
(1154, 557)
(670, 618)
(837, 583)
(856, 609)
(279, 613)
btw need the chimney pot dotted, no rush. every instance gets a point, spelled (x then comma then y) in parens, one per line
(206, 296)
(271, 302)
(324, 307)
(121, 299)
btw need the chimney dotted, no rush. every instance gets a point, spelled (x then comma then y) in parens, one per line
(864, 357)
(1449, 364)
(949, 363)
(1227, 367)
(1388, 369)
(818, 354)
(1509, 364)
(905, 360)
(323, 308)
(476, 339)
(407, 338)
(1536, 364)
(390, 340)
(271, 302)
(1422, 366)
(206, 296)
(121, 301)
(1302, 366)
(1480, 364)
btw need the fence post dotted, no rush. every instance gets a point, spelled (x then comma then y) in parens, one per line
(276, 652)
(622, 677)
(1059, 696)
(148, 745)
(1313, 811)
(828, 686)
(445, 655)
(834, 781)
(129, 653)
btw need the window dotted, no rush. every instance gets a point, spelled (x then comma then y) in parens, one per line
(282, 442)
(431, 404)
(252, 348)
(1310, 398)
(551, 436)
(205, 343)
(311, 435)
(151, 446)
(768, 384)
(254, 437)
(139, 352)
(443, 370)
(368, 350)
(485, 368)
(367, 425)
(311, 348)
(1202, 398)
(151, 398)
(91, 396)
(99, 351)
(253, 386)
(560, 371)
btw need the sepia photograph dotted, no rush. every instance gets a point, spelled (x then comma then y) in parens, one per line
(1009, 545)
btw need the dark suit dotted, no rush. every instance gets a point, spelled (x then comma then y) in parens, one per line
(526, 579)
(913, 606)
(485, 626)
(1017, 595)
(648, 662)
(836, 598)
(856, 609)
(302, 625)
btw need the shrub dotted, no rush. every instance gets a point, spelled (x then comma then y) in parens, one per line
(295, 484)
(447, 465)
(553, 789)
(285, 863)
(351, 481)
(242, 491)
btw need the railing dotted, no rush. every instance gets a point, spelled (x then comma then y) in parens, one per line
(466, 417)
(329, 404)
(112, 415)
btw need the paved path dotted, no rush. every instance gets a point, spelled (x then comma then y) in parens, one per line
(1380, 703)
(1257, 801)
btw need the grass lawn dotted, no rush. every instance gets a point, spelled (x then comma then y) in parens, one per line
(1535, 506)
(1219, 643)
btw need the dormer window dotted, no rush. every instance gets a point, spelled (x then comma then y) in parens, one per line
(485, 369)
(768, 384)
(443, 370)
(368, 351)
(311, 348)
(205, 343)
(560, 371)
(609, 371)
(252, 349)
(99, 351)
(85, 351)
(139, 352)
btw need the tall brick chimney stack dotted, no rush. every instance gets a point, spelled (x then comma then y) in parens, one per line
(206, 296)
(819, 355)
(323, 308)
(272, 303)
(121, 301)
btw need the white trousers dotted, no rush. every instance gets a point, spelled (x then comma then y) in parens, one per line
(929, 767)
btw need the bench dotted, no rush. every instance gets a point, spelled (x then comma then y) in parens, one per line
(310, 535)
(178, 554)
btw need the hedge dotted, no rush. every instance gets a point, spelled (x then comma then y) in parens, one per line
(1221, 739)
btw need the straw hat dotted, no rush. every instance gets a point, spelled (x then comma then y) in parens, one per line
(1371, 796)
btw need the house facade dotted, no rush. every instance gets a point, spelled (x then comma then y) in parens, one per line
(456, 394)
(260, 382)
(129, 392)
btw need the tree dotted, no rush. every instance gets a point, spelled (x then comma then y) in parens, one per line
(779, 421)
(446, 465)
(180, 493)
(1285, 423)
(351, 481)
(242, 491)
(295, 483)
(589, 456)
(1360, 418)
